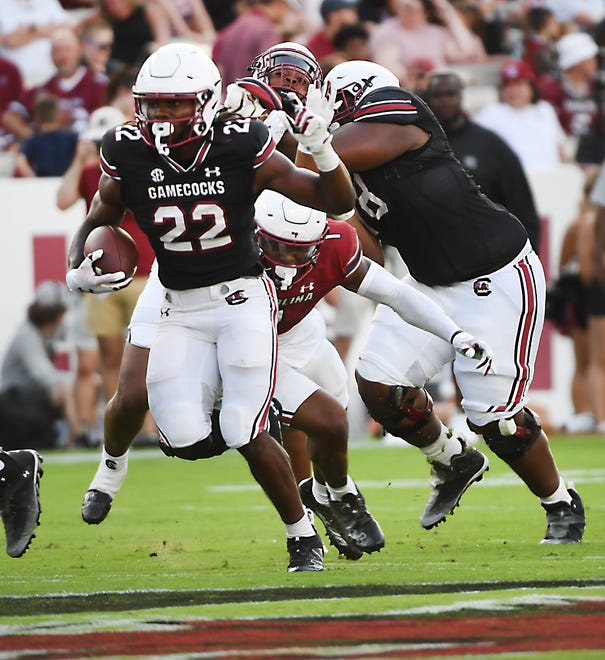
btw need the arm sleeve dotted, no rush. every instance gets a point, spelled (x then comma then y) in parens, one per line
(413, 307)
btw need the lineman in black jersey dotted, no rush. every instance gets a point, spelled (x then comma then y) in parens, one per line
(190, 175)
(471, 256)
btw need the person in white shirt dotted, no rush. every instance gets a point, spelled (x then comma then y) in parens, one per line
(25, 30)
(526, 123)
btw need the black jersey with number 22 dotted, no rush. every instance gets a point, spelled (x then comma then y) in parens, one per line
(199, 219)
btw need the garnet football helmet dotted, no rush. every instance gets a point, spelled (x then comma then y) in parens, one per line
(287, 67)
(352, 81)
(177, 71)
(288, 235)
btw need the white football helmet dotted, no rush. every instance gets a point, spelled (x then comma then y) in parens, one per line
(177, 71)
(287, 67)
(288, 235)
(352, 81)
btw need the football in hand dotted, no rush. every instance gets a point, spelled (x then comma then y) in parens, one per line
(119, 250)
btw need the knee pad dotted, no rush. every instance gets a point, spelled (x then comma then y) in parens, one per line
(213, 445)
(406, 418)
(508, 440)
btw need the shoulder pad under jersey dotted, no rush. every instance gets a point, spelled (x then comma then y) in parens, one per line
(391, 105)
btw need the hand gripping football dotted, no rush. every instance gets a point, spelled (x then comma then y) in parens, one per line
(119, 250)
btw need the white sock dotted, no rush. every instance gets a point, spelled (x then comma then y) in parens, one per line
(320, 492)
(443, 448)
(339, 493)
(301, 528)
(110, 473)
(560, 495)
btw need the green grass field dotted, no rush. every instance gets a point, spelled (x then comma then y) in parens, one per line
(201, 540)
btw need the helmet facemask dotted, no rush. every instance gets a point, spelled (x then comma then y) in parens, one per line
(287, 67)
(166, 134)
(288, 236)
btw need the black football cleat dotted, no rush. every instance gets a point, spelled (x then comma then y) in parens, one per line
(20, 474)
(450, 482)
(357, 524)
(329, 520)
(96, 506)
(565, 522)
(306, 554)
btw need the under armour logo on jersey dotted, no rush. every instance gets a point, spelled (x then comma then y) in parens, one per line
(307, 287)
(164, 311)
(482, 286)
(236, 298)
(157, 175)
(212, 171)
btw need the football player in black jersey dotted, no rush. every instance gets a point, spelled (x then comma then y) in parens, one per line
(190, 174)
(474, 259)
(292, 69)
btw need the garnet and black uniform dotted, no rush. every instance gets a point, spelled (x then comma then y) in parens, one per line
(217, 334)
(307, 361)
(426, 205)
(471, 256)
(199, 220)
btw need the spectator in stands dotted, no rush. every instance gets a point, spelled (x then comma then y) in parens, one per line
(351, 43)
(526, 123)
(97, 42)
(25, 32)
(11, 87)
(541, 31)
(48, 152)
(107, 317)
(119, 90)
(432, 29)
(372, 12)
(574, 14)
(81, 181)
(34, 393)
(79, 89)
(335, 14)
(567, 308)
(138, 29)
(471, 14)
(591, 145)
(596, 301)
(492, 163)
(572, 92)
(256, 29)
(189, 20)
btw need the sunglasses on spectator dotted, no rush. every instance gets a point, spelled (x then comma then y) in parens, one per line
(101, 45)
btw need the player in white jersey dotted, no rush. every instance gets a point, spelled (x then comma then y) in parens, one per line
(307, 255)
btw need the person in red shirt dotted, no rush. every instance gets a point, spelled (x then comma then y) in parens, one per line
(255, 30)
(11, 87)
(106, 318)
(79, 89)
(335, 15)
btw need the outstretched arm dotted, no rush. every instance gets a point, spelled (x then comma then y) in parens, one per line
(374, 282)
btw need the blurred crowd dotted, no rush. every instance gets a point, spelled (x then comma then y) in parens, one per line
(526, 75)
